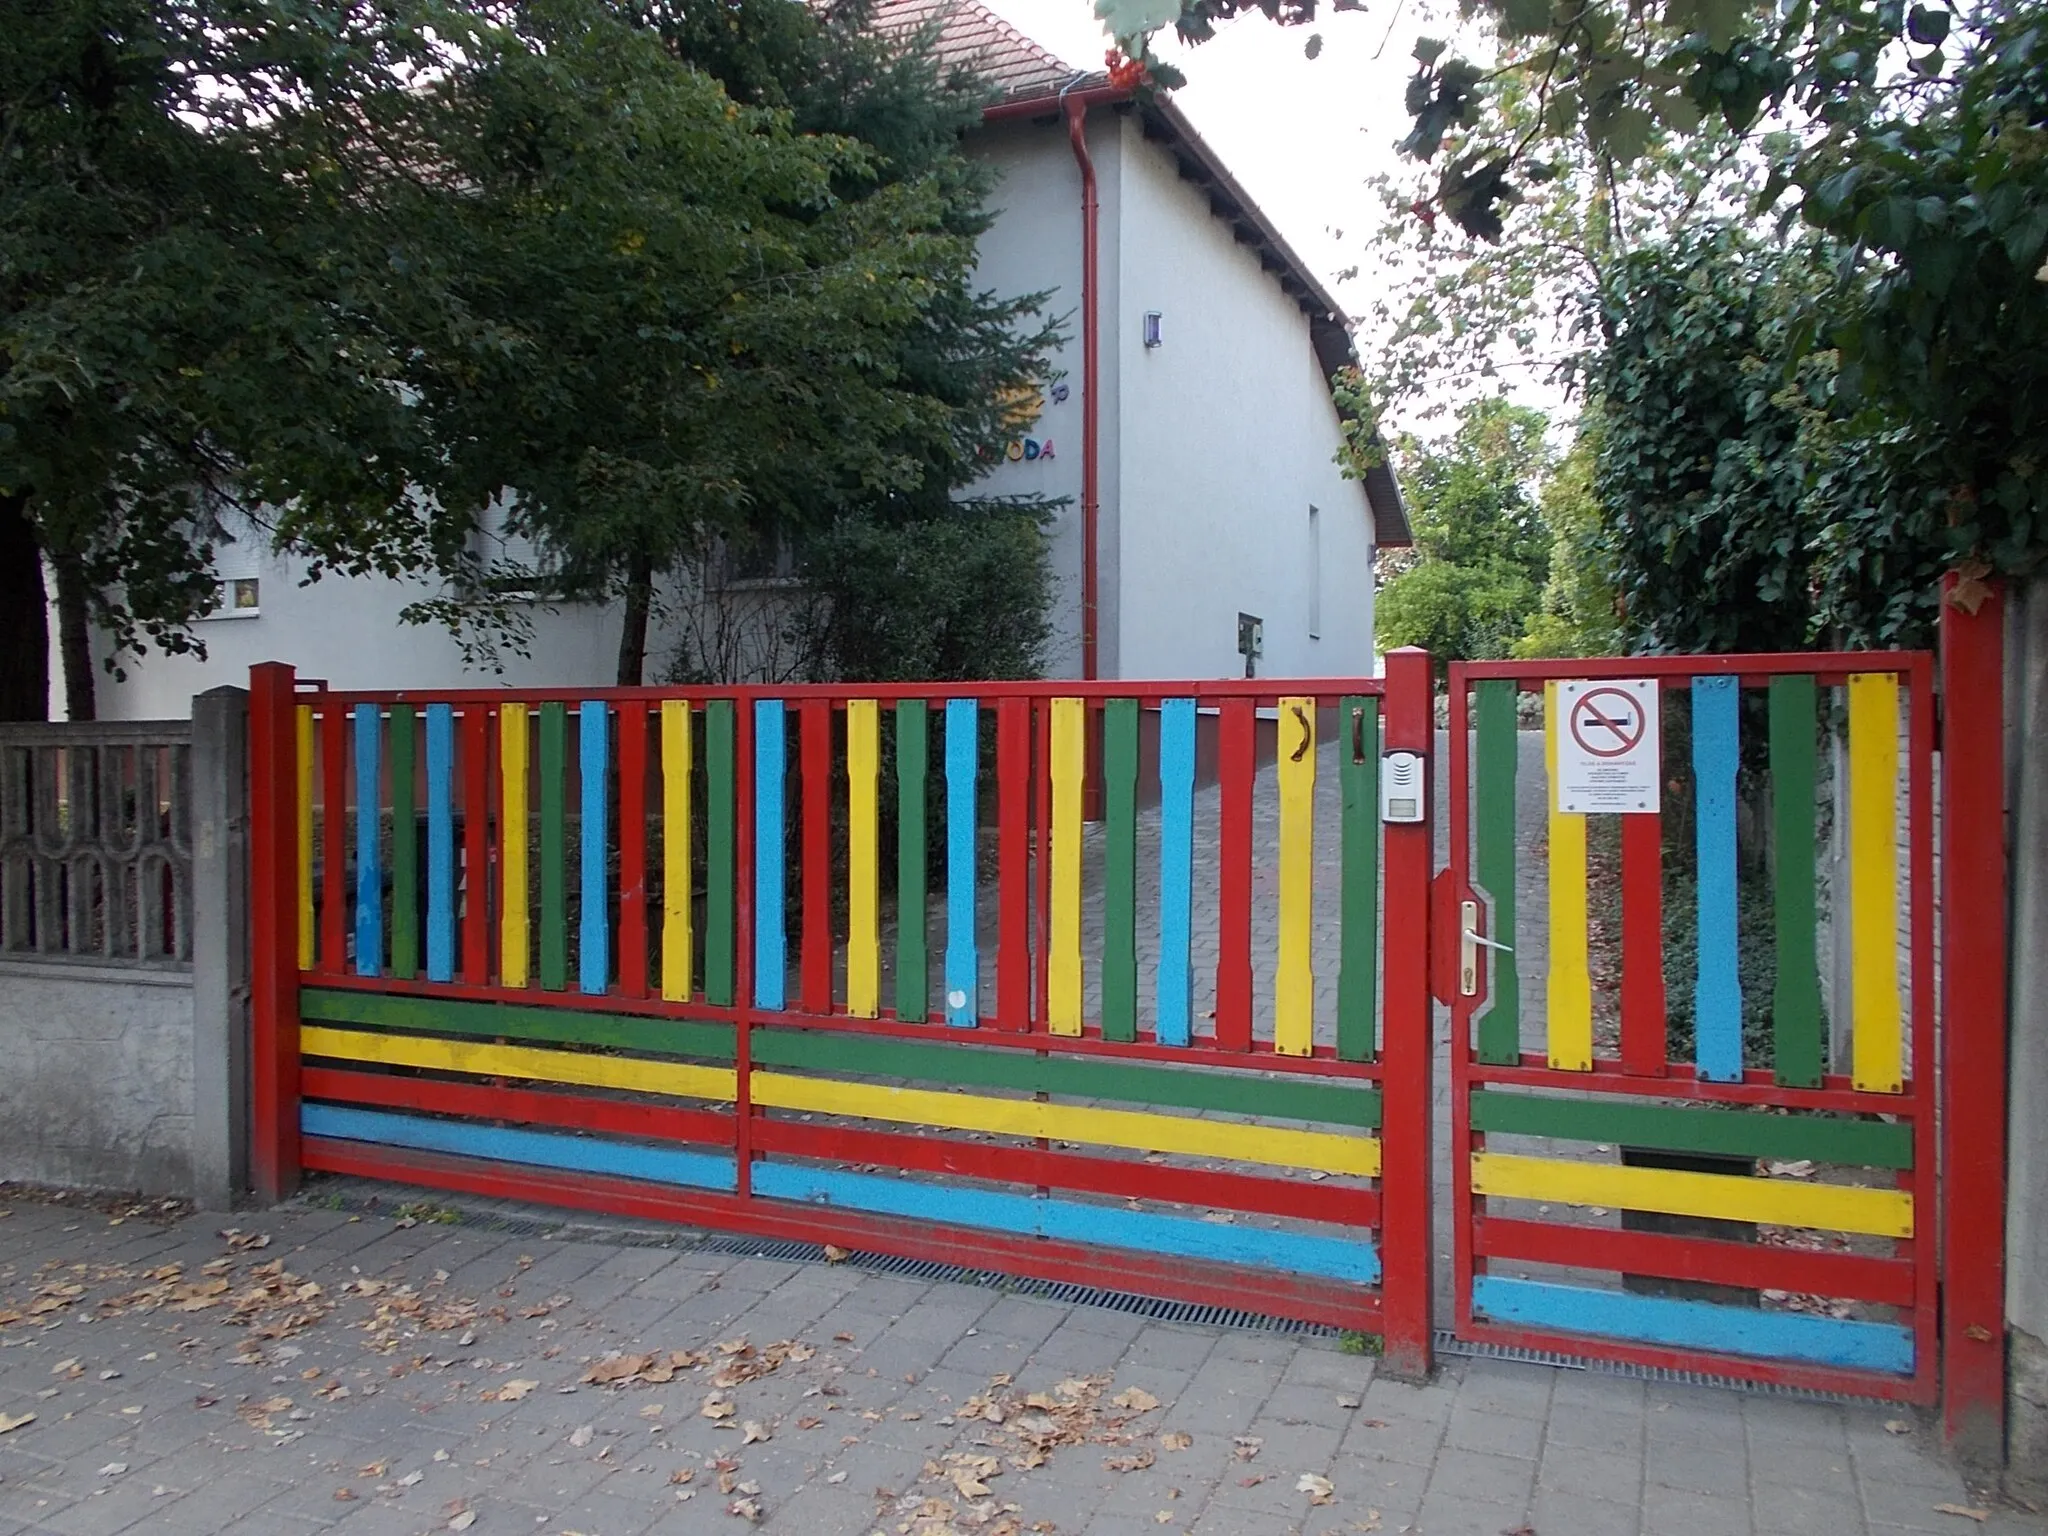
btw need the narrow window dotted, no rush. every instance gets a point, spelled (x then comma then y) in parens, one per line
(1315, 573)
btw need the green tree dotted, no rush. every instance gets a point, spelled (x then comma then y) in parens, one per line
(1911, 133)
(1745, 507)
(1939, 197)
(1579, 613)
(1482, 552)
(364, 274)
(189, 308)
(832, 358)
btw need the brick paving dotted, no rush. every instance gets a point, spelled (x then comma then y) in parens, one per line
(400, 1410)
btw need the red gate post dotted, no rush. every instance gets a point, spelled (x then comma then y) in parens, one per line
(1973, 1018)
(1407, 1240)
(273, 933)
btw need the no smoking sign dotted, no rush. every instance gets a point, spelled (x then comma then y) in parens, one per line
(1608, 747)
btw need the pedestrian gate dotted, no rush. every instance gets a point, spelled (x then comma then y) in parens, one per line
(869, 966)
(1590, 1146)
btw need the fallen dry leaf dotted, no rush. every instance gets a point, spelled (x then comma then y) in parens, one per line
(1245, 1447)
(1318, 1489)
(1176, 1440)
(1897, 1427)
(617, 1368)
(746, 1509)
(511, 1392)
(112, 1469)
(1967, 1511)
(1136, 1462)
(754, 1430)
(462, 1520)
(834, 1254)
(1136, 1399)
(809, 1421)
(343, 1495)
(580, 1436)
(11, 1422)
(716, 1408)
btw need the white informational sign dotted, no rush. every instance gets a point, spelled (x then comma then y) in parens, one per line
(1609, 758)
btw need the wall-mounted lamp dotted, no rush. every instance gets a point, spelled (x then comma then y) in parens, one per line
(1154, 336)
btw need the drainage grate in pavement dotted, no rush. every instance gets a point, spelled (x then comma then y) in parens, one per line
(1151, 1307)
(523, 1221)
(1448, 1343)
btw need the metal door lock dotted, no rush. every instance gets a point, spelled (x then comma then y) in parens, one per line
(1469, 940)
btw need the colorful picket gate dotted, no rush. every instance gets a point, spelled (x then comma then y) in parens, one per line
(1771, 1206)
(638, 953)
(994, 975)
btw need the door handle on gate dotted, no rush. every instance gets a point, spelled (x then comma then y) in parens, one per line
(1469, 940)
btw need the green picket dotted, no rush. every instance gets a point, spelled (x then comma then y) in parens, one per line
(913, 974)
(554, 879)
(1797, 1026)
(718, 853)
(1500, 1028)
(1358, 782)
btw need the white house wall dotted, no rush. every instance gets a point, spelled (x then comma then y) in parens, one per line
(347, 631)
(1035, 246)
(1228, 435)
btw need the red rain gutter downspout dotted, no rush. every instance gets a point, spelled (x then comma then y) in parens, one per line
(1077, 135)
(1075, 104)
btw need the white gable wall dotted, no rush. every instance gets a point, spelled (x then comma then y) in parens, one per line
(1229, 435)
(1034, 246)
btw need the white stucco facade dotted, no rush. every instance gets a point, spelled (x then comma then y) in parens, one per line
(1229, 438)
(1214, 446)
(347, 631)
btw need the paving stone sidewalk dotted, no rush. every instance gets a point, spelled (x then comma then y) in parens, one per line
(320, 1371)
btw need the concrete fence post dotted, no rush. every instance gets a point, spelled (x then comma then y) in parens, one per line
(220, 948)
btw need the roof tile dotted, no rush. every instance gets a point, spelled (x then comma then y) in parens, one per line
(972, 35)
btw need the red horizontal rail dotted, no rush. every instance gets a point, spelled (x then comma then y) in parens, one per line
(1202, 1053)
(1756, 1086)
(532, 1106)
(1918, 1388)
(1265, 690)
(1754, 1266)
(1066, 1170)
(1292, 1296)
(1831, 666)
